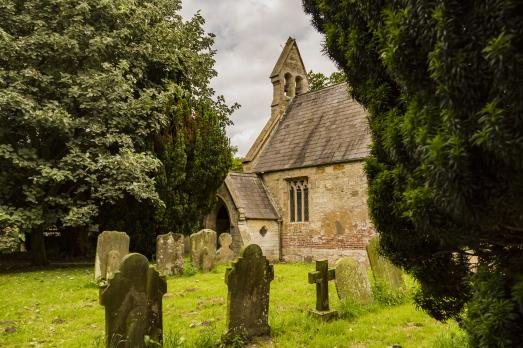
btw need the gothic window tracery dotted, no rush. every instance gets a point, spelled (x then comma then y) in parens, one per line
(299, 200)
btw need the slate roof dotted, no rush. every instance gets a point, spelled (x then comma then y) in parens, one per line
(249, 193)
(320, 127)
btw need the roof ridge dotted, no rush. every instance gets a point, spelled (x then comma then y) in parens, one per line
(321, 90)
(242, 174)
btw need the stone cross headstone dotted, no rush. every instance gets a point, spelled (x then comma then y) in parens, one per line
(225, 253)
(111, 247)
(203, 249)
(133, 303)
(352, 281)
(321, 278)
(248, 281)
(382, 269)
(169, 253)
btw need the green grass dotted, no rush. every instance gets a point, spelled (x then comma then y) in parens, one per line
(59, 308)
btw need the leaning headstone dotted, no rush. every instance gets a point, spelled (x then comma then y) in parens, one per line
(169, 253)
(133, 304)
(201, 241)
(225, 253)
(382, 269)
(352, 281)
(111, 247)
(321, 278)
(248, 281)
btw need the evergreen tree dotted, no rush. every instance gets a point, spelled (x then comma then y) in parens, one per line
(86, 87)
(442, 81)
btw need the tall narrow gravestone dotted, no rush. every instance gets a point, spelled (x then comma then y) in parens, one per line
(203, 249)
(169, 253)
(352, 281)
(225, 253)
(111, 248)
(133, 304)
(321, 278)
(382, 269)
(248, 281)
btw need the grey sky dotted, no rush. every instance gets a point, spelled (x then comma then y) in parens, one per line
(250, 35)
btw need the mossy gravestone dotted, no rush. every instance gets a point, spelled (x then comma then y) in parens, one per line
(111, 248)
(248, 281)
(133, 304)
(203, 249)
(382, 269)
(169, 253)
(225, 253)
(352, 281)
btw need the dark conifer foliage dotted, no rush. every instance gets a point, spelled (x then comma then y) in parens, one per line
(442, 81)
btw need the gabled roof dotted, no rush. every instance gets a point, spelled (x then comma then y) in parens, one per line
(320, 127)
(249, 193)
(283, 56)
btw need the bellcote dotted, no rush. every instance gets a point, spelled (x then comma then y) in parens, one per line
(289, 77)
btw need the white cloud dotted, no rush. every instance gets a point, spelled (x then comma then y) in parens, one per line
(250, 35)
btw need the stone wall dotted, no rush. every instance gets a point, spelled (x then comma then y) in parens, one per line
(270, 242)
(339, 223)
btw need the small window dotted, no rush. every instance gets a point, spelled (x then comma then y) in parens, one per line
(298, 200)
(263, 231)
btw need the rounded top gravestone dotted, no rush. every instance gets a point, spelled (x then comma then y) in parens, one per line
(352, 281)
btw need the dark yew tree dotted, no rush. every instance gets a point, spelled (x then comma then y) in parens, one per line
(100, 103)
(442, 81)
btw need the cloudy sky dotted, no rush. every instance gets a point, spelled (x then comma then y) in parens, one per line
(250, 35)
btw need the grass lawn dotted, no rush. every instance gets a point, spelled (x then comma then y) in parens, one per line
(59, 308)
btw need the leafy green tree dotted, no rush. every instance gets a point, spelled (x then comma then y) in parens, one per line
(237, 164)
(442, 83)
(318, 81)
(85, 88)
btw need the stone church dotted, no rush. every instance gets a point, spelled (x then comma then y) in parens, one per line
(302, 195)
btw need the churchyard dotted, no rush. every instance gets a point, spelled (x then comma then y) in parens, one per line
(60, 308)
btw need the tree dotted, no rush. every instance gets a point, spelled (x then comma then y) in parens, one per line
(318, 81)
(85, 85)
(442, 83)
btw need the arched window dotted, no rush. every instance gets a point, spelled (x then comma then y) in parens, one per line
(288, 87)
(300, 88)
(299, 200)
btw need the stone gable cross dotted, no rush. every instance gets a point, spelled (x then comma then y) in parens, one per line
(321, 278)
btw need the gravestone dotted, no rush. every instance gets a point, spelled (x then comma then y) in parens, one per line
(321, 278)
(133, 303)
(113, 263)
(352, 281)
(203, 249)
(225, 253)
(382, 269)
(111, 247)
(248, 282)
(207, 260)
(169, 253)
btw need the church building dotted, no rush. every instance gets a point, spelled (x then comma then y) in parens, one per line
(302, 195)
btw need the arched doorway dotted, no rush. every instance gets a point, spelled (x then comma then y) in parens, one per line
(223, 221)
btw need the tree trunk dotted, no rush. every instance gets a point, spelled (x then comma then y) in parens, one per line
(38, 253)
